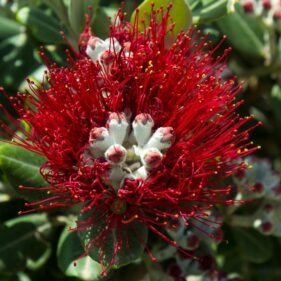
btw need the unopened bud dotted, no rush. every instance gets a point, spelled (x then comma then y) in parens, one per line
(248, 6)
(100, 139)
(258, 187)
(116, 154)
(277, 15)
(266, 4)
(192, 242)
(142, 127)
(266, 227)
(162, 138)
(117, 126)
(152, 158)
(95, 47)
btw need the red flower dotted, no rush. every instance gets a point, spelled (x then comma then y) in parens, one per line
(141, 130)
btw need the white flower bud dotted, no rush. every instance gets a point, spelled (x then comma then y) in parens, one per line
(161, 139)
(100, 139)
(116, 154)
(95, 47)
(142, 127)
(151, 158)
(118, 126)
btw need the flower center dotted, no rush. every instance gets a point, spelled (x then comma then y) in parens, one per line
(118, 207)
(132, 150)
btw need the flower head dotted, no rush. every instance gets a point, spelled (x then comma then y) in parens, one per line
(139, 129)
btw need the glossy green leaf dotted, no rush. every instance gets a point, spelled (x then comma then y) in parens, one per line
(244, 33)
(253, 246)
(23, 242)
(131, 236)
(77, 11)
(21, 167)
(17, 60)
(210, 10)
(180, 13)
(275, 101)
(9, 27)
(99, 27)
(69, 249)
(45, 28)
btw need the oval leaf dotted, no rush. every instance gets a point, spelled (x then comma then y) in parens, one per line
(253, 246)
(77, 11)
(180, 13)
(23, 242)
(210, 10)
(244, 33)
(45, 28)
(69, 249)
(131, 237)
(21, 167)
(9, 27)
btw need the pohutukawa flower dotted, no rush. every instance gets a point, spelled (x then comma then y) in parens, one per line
(139, 129)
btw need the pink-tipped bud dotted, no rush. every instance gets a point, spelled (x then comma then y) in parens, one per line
(266, 4)
(167, 134)
(117, 126)
(162, 139)
(152, 158)
(116, 154)
(99, 139)
(192, 242)
(266, 227)
(248, 6)
(97, 134)
(258, 187)
(143, 118)
(277, 15)
(142, 127)
(94, 41)
(94, 48)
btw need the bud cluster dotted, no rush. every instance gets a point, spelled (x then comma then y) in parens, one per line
(269, 10)
(132, 152)
(265, 184)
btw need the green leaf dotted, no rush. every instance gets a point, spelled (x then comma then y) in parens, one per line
(244, 33)
(276, 105)
(23, 242)
(9, 27)
(77, 11)
(180, 13)
(133, 236)
(17, 60)
(44, 28)
(21, 167)
(99, 27)
(253, 246)
(69, 249)
(210, 10)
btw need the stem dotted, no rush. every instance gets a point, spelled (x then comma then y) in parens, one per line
(241, 221)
